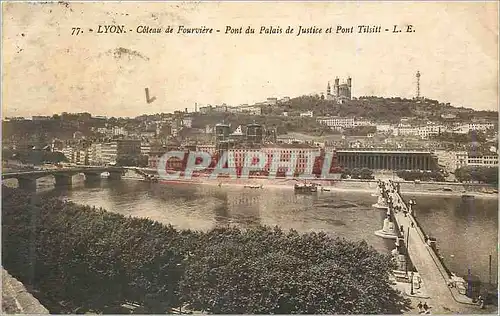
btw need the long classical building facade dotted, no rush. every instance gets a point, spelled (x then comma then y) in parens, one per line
(387, 160)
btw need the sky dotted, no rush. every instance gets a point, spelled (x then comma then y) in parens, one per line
(47, 70)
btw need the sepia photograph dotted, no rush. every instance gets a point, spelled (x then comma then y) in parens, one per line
(249, 157)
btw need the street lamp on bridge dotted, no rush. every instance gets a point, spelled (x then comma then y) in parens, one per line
(411, 284)
(411, 203)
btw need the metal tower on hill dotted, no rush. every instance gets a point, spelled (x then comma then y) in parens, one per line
(418, 84)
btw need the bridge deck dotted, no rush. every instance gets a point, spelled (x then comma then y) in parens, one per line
(46, 172)
(434, 276)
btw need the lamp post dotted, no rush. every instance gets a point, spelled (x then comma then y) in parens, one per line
(489, 276)
(412, 203)
(411, 284)
(407, 251)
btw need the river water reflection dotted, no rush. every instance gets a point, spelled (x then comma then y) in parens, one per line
(466, 230)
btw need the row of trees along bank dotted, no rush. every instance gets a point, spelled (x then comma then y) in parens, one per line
(487, 175)
(356, 173)
(82, 259)
(422, 175)
(33, 156)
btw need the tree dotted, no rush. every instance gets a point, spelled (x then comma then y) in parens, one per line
(360, 130)
(366, 173)
(412, 175)
(355, 173)
(94, 261)
(142, 161)
(487, 175)
(267, 271)
(346, 173)
(35, 157)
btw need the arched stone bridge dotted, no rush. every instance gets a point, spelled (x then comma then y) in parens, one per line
(27, 179)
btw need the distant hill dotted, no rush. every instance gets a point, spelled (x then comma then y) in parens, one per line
(390, 110)
(37, 133)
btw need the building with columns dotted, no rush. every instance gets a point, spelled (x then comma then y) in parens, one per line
(387, 159)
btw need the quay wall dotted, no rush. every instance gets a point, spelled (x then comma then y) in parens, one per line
(456, 187)
(452, 188)
(415, 187)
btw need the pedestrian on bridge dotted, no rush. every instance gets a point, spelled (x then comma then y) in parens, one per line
(419, 306)
(412, 224)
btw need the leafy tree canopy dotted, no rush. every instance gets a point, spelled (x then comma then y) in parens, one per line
(481, 174)
(83, 259)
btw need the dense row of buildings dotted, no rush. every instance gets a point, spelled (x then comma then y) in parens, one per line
(252, 138)
(105, 153)
(423, 131)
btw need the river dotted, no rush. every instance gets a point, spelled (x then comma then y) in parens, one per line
(466, 230)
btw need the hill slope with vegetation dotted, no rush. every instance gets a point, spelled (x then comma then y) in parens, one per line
(380, 109)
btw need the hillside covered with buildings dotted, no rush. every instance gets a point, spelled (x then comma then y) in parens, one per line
(331, 122)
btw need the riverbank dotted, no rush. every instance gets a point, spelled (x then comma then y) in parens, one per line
(349, 185)
(341, 185)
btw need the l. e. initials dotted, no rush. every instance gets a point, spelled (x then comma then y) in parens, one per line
(409, 29)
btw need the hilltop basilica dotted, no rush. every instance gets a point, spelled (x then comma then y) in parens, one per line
(340, 92)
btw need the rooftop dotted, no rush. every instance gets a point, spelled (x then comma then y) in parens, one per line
(482, 154)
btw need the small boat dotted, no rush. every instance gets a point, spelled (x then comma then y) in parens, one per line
(254, 186)
(325, 190)
(305, 188)
(151, 178)
(467, 196)
(447, 189)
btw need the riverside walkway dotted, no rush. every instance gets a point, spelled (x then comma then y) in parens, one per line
(443, 299)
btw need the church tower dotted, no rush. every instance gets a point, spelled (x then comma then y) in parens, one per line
(336, 87)
(328, 89)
